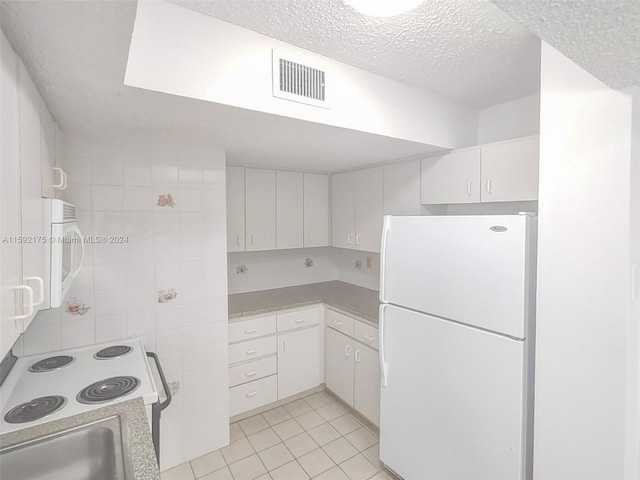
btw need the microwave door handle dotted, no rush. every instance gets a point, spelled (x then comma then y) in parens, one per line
(76, 230)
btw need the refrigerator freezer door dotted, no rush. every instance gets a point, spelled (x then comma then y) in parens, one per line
(471, 269)
(453, 404)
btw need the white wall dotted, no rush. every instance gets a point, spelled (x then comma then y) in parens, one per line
(285, 268)
(279, 268)
(115, 182)
(513, 119)
(182, 52)
(633, 336)
(583, 264)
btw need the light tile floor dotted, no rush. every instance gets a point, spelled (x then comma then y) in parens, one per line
(311, 438)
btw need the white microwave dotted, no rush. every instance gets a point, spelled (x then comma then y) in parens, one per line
(66, 252)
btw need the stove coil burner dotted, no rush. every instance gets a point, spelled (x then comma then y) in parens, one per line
(113, 352)
(108, 389)
(51, 363)
(35, 409)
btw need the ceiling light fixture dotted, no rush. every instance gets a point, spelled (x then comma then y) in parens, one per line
(383, 8)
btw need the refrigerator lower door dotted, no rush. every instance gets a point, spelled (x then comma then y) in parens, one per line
(452, 400)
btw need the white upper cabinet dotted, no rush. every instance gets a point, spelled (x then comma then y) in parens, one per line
(343, 210)
(369, 208)
(48, 152)
(451, 178)
(260, 195)
(10, 222)
(498, 172)
(235, 209)
(316, 210)
(357, 209)
(289, 210)
(402, 188)
(33, 225)
(510, 170)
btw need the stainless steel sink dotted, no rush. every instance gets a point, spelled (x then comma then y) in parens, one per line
(94, 451)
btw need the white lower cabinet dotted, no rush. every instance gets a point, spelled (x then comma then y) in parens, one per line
(286, 358)
(339, 365)
(299, 361)
(367, 382)
(253, 395)
(352, 368)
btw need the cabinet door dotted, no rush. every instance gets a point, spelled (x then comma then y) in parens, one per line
(235, 209)
(339, 364)
(510, 170)
(289, 203)
(316, 210)
(47, 151)
(367, 383)
(31, 184)
(343, 197)
(298, 361)
(59, 193)
(451, 178)
(369, 208)
(10, 223)
(402, 188)
(260, 198)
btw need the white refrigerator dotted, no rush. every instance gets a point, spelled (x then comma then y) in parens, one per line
(456, 346)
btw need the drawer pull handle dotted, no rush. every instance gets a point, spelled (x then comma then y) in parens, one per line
(251, 352)
(368, 338)
(251, 374)
(337, 323)
(249, 331)
(300, 320)
(251, 394)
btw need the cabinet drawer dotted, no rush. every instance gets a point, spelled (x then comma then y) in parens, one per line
(253, 328)
(299, 318)
(253, 395)
(261, 347)
(366, 334)
(340, 322)
(247, 372)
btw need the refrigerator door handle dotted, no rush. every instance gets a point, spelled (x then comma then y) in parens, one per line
(383, 363)
(386, 226)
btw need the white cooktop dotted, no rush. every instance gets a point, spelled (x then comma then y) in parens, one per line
(23, 385)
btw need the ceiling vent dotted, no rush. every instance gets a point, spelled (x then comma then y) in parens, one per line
(296, 81)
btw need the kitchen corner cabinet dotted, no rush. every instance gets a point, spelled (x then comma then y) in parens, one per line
(260, 209)
(357, 209)
(289, 210)
(402, 188)
(316, 210)
(498, 172)
(235, 209)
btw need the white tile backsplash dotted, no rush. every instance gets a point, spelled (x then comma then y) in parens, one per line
(167, 201)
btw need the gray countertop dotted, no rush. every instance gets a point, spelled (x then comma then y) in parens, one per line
(349, 298)
(143, 458)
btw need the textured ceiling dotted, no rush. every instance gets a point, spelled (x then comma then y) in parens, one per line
(467, 50)
(77, 53)
(602, 36)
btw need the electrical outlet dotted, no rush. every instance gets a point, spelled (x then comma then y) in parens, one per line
(369, 261)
